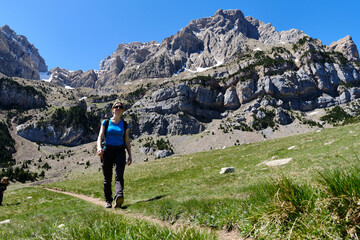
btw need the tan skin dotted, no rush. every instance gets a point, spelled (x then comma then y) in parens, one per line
(4, 181)
(117, 113)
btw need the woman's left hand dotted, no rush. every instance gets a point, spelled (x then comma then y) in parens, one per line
(129, 161)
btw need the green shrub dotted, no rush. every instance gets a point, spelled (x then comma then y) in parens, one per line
(267, 121)
(335, 115)
(342, 187)
(18, 174)
(291, 199)
(28, 90)
(76, 116)
(160, 144)
(7, 146)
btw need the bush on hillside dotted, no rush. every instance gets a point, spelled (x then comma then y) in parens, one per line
(262, 123)
(336, 115)
(160, 144)
(18, 174)
(7, 146)
(76, 117)
(5, 82)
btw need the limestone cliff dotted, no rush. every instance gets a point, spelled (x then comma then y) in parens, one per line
(18, 57)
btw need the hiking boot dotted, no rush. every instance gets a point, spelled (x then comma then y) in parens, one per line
(119, 200)
(108, 205)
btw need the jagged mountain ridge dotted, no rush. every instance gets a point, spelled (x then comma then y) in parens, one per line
(250, 69)
(18, 57)
(203, 43)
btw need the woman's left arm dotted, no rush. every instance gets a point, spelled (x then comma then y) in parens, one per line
(128, 146)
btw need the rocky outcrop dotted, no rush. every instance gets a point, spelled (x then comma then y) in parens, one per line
(203, 43)
(346, 46)
(74, 79)
(267, 34)
(14, 95)
(18, 57)
(70, 127)
(50, 134)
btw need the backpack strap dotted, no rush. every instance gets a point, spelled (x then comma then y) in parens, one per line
(125, 127)
(106, 126)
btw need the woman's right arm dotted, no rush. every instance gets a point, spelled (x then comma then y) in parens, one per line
(100, 138)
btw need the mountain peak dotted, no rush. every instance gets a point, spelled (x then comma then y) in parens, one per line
(347, 46)
(19, 58)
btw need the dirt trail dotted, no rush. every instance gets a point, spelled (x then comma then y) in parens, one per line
(222, 235)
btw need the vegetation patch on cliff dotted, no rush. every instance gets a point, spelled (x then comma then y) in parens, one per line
(75, 116)
(7, 146)
(7, 83)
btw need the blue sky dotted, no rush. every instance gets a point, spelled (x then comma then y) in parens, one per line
(78, 34)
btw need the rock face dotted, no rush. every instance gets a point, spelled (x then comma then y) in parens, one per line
(203, 43)
(347, 47)
(301, 79)
(286, 65)
(50, 134)
(68, 127)
(74, 79)
(18, 57)
(217, 65)
(12, 94)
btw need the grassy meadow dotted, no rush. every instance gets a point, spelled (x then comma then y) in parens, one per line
(315, 196)
(35, 213)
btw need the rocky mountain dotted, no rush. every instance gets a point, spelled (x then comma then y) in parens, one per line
(203, 43)
(74, 79)
(347, 47)
(14, 95)
(228, 67)
(18, 57)
(71, 127)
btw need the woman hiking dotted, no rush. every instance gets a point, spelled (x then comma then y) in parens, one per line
(115, 131)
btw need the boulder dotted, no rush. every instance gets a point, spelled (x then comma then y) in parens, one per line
(324, 101)
(246, 91)
(163, 153)
(163, 94)
(231, 100)
(282, 117)
(227, 170)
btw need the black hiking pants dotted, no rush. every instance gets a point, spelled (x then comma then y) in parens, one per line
(1, 197)
(113, 156)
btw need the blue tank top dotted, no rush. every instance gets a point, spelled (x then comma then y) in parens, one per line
(115, 133)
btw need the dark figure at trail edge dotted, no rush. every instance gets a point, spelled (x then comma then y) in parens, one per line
(3, 185)
(115, 132)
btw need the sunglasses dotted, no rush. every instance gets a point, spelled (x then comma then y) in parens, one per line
(118, 107)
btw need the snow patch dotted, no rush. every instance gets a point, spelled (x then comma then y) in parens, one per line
(68, 87)
(83, 98)
(313, 113)
(201, 69)
(45, 76)
(257, 49)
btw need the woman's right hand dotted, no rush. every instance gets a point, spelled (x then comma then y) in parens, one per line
(100, 152)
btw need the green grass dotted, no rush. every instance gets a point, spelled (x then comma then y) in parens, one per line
(48, 215)
(256, 199)
(290, 201)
